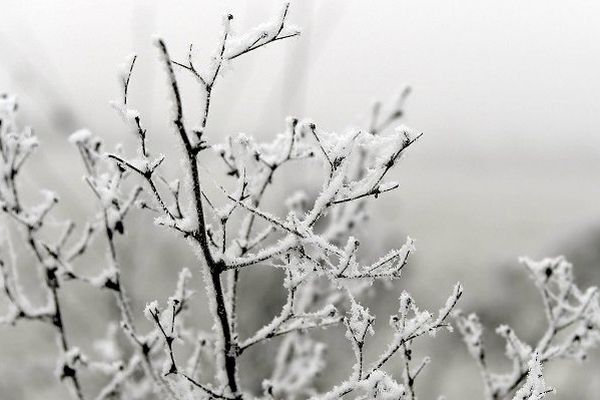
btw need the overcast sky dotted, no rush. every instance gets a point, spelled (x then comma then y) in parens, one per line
(507, 93)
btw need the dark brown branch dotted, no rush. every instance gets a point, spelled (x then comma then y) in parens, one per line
(214, 268)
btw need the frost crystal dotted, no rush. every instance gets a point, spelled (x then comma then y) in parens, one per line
(80, 137)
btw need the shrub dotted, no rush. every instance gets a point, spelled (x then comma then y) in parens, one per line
(312, 244)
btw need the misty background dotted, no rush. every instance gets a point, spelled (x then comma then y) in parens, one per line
(506, 94)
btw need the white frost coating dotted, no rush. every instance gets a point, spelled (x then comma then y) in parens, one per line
(10, 316)
(80, 136)
(217, 330)
(381, 386)
(471, 331)
(151, 310)
(348, 260)
(129, 115)
(184, 391)
(182, 293)
(165, 62)
(299, 269)
(185, 224)
(39, 212)
(28, 143)
(66, 362)
(298, 362)
(328, 193)
(391, 264)
(264, 254)
(360, 322)
(106, 368)
(107, 187)
(107, 276)
(261, 34)
(124, 67)
(535, 387)
(567, 309)
(516, 350)
(387, 186)
(450, 304)
(174, 184)
(8, 106)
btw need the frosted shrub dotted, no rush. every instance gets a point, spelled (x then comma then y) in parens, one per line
(312, 244)
(573, 319)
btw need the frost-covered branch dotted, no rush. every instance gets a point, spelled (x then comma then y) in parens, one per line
(16, 146)
(311, 239)
(573, 328)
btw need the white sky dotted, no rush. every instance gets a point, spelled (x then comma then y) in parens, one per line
(505, 91)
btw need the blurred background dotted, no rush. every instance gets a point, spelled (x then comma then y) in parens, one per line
(506, 94)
